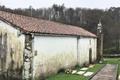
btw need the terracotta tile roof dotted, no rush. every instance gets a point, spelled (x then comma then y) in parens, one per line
(43, 26)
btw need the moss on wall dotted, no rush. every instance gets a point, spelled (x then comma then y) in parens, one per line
(50, 65)
(14, 52)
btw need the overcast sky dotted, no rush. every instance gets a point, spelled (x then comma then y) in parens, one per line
(101, 4)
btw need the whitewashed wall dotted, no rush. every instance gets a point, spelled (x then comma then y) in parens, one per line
(14, 42)
(83, 50)
(54, 53)
(94, 48)
(84, 44)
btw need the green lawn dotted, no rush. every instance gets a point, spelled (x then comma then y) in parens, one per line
(64, 76)
(113, 61)
(96, 68)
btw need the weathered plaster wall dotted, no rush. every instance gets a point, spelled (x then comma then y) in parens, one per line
(94, 48)
(83, 50)
(54, 53)
(84, 45)
(14, 48)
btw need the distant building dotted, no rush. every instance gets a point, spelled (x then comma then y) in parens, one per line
(42, 47)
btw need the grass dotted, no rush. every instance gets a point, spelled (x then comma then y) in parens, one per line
(113, 61)
(96, 68)
(63, 76)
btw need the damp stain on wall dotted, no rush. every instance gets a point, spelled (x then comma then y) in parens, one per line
(51, 65)
(12, 47)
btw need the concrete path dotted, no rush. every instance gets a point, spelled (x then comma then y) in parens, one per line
(109, 72)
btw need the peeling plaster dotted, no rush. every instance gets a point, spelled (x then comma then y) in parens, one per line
(54, 53)
(14, 50)
(53, 64)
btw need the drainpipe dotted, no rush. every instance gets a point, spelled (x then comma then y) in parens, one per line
(32, 64)
(78, 50)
